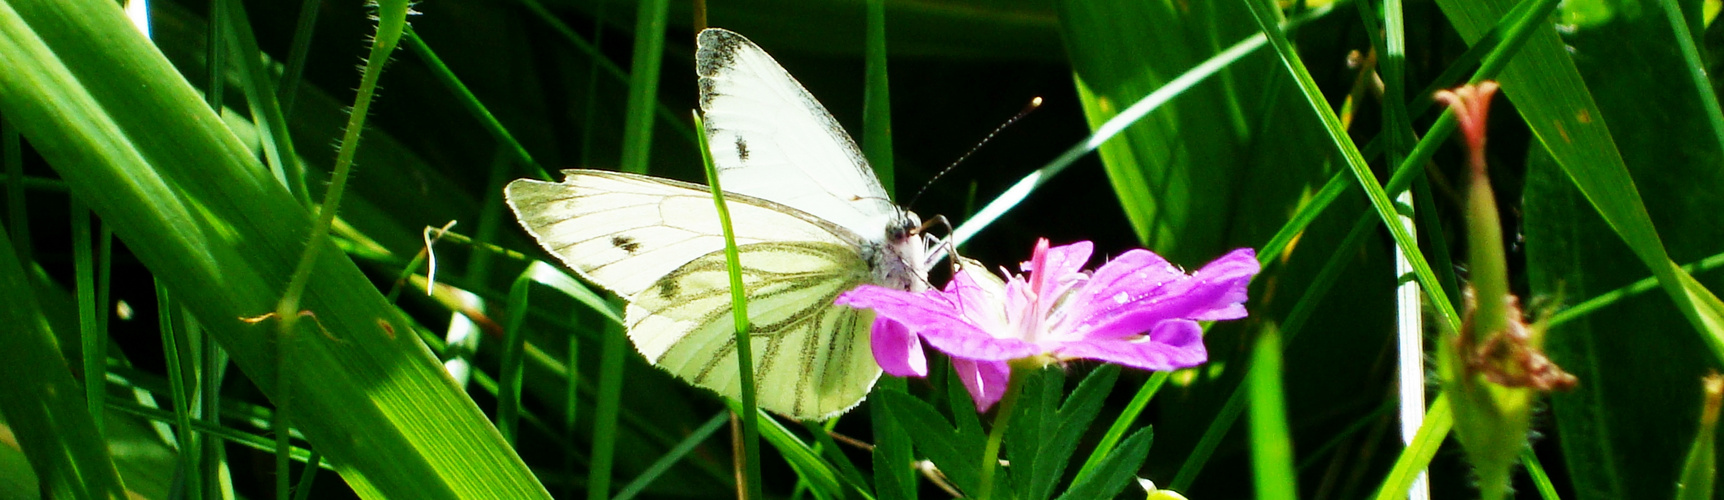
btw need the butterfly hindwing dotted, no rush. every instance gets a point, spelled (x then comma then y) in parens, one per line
(811, 357)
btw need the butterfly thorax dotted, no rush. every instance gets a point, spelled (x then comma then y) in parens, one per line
(897, 263)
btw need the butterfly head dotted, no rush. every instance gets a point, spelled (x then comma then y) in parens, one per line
(899, 263)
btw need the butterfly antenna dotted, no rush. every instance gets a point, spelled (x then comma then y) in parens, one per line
(1034, 103)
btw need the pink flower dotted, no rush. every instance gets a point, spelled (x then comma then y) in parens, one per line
(1057, 313)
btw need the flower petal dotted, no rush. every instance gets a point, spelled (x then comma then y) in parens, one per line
(1233, 273)
(1139, 290)
(986, 380)
(1067, 259)
(896, 350)
(1174, 344)
(934, 317)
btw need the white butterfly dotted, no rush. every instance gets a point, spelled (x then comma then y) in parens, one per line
(811, 222)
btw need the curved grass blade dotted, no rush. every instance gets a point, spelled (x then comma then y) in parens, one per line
(1271, 445)
(1413, 460)
(637, 137)
(739, 313)
(40, 400)
(131, 138)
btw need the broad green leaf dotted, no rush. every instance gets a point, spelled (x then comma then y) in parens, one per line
(1044, 433)
(957, 452)
(131, 138)
(1116, 471)
(1179, 172)
(1608, 147)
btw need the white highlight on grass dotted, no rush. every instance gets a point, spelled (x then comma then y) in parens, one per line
(1409, 326)
(138, 11)
(1112, 127)
(463, 336)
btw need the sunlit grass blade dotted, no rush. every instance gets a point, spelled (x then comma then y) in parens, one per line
(133, 140)
(1271, 445)
(1588, 306)
(1417, 455)
(739, 313)
(40, 400)
(1535, 471)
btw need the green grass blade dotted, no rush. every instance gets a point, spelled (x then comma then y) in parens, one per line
(1550, 94)
(1113, 126)
(1271, 445)
(260, 95)
(296, 56)
(1417, 455)
(40, 400)
(216, 45)
(17, 217)
(174, 348)
(637, 136)
(94, 339)
(739, 313)
(1696, 68)
(1540, 480)
(671, 117)
(877, 98)
(132, 139)
(1600, 301)
(1355, 161)
(505, 140)
(509, 373)
(662, 465)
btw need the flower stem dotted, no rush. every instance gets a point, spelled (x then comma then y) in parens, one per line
(991, 454)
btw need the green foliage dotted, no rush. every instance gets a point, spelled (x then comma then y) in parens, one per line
(1045, 432)
(1256, 133)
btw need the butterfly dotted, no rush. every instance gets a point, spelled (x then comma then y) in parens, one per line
(811, 221)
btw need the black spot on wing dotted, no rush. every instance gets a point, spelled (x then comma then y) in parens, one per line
(741, 149)
(628, 244)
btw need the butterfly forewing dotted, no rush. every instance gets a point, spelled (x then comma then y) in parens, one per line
(657, 243)
(810, 220)
(770, 139)
(625, 231)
